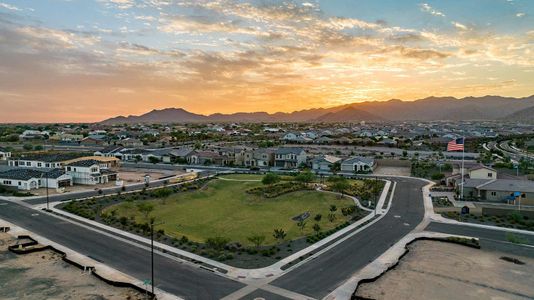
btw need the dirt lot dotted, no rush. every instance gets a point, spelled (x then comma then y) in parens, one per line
(436, 270)
(43, 275)
(389, 170)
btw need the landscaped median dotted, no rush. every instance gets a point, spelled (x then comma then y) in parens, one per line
(243, 222)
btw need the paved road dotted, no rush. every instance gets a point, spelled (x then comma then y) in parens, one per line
(93, 193)
(170, 275)
(322, 275)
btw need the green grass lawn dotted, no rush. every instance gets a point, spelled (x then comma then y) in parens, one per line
(223, 208)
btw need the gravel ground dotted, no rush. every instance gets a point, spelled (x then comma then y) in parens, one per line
(436, 270)
(44, 275)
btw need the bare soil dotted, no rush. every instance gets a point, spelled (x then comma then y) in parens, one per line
(44, 275)
(436, 270)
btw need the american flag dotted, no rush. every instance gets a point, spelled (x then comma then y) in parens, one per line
(456, 145)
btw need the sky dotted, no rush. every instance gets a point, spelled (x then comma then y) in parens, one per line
(87, 60)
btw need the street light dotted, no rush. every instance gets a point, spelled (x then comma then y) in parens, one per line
(152, 251)
(47, 198)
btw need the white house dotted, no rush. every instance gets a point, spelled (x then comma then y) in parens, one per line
(90, 172)
(358, 164)
(482, 172)
(29, 179)
(290, 136)
(30, 134)
(4, 154)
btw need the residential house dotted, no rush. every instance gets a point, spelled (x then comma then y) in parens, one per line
(30, 179)
(90, 172)
(130, 143)
(264, 157)
(33, 134)
(324, 163)
(94, 140)
(49, 161)
(289, 157)
(197, 157)
(4, 154)
(500, 190)
(358, 164)
(110, 151)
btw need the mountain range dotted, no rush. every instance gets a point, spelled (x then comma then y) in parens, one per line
(427, 109)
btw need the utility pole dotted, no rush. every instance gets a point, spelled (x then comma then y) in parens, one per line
(152, 252)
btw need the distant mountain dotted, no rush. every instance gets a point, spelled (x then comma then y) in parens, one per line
(524, 115)
(349, 114)
(427, 109)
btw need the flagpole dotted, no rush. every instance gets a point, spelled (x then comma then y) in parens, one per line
(463, 156)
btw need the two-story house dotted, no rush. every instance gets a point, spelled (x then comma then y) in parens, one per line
(289, 157)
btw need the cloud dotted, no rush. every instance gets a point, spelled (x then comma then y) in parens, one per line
(425, 7)
(459, 26)
(520, 15)
(9, 7)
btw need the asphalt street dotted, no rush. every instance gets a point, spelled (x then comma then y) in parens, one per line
(322, 275)
(171, 276)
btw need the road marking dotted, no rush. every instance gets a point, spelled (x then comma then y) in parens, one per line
(2, 204)
(396, 216)
(406, 224)
(35, 215)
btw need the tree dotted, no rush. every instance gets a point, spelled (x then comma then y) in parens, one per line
(256, 239)
(336, 167)
(145, 208)
(404, 153)
(331, 217)
(137, 158)
(333, 208)
(301, 225)
(339, 184)
(218, 243)
(318, 217)
(27, 147)
(153, 159)
(279, 234)
(316, 228)
(305, 177)
(270, 179)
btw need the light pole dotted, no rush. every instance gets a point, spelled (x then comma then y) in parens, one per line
(47, 197)
(152, 252)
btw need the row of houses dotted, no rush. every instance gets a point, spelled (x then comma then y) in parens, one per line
(283, 158)
(59, 171)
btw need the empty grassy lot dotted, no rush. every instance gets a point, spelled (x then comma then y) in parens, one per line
(223, 208)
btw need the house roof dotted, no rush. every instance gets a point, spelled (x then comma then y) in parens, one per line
(289, 150)
(27, 174)
(357, 159)
(111, 149)
(481, 167)
(56, 157)
(326, 158)
(84, 163)
(510, 185)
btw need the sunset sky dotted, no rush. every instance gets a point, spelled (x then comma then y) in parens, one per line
(82, 60)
